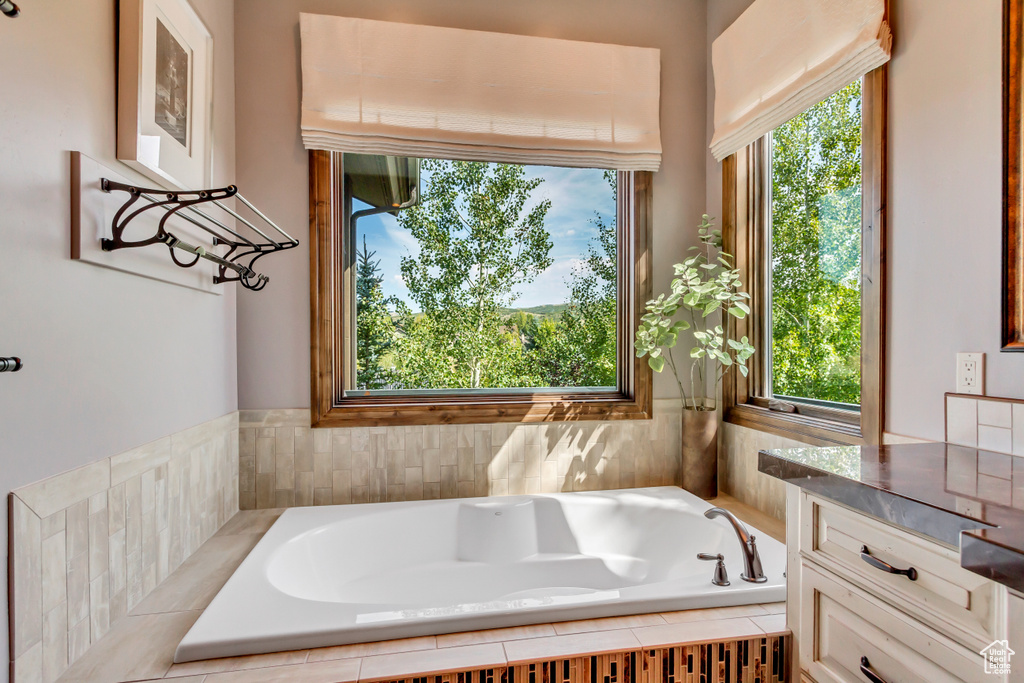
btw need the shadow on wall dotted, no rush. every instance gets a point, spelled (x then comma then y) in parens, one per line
(284, 463)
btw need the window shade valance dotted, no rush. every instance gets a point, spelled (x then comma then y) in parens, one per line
(377, 87)
(782, 57)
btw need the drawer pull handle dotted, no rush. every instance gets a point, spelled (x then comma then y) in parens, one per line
(866, 555)
(869, 673)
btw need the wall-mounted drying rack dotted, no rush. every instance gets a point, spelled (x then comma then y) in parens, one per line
(242, 251)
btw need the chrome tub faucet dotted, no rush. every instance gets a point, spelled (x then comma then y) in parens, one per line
(751, 560)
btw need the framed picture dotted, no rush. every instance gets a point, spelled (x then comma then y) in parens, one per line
(165, 79)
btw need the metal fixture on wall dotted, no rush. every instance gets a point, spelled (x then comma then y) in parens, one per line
(10, 364)
(9, 8)
(242, 252)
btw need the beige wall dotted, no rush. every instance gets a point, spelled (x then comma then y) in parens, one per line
(945, 207)
(111, 360)
(273, 326)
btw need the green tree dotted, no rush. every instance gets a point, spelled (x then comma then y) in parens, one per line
(815, 251)
(375, 328)
(478, 243)
(581, 349)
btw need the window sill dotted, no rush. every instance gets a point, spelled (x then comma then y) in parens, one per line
(465, 409)
(814, 431)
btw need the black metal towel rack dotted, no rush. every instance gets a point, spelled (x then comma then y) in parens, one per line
(242, 251)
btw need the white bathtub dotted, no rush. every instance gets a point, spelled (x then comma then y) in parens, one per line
(355, 573)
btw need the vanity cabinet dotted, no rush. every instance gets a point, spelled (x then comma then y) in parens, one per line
(869, 602)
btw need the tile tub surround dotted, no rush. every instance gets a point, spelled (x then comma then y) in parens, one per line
(284, 463)
(963, 497)
(142, 646)
(87, 546)
(993, 424)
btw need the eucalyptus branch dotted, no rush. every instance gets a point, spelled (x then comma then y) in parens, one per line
(706, 286)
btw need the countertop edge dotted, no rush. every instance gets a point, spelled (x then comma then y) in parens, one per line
(978, 542)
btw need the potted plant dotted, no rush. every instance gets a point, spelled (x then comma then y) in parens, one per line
(706, 288)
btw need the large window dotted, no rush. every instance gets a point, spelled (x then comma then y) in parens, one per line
(804, 213)
(448, 291)
(814, 262)
(481, 276)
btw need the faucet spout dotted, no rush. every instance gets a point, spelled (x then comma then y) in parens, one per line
(751, 559)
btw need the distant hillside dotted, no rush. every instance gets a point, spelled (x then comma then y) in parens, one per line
(545, 311)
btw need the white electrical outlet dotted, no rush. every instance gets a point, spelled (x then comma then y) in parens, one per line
(970, 373)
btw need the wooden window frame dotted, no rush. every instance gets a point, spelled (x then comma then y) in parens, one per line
(745, 217)
(329, 335)
(1013, 178)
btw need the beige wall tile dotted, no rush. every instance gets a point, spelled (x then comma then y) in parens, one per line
(115, 508)
(995, 413)
(54, 572)
(495, 635)
(1018, 429)
(200, 577)
(342, 671)
(996, 439)
(321, 440)
(445, 461)
(370, 649)
(610, 623)
(55, 644)
(962, 421)
(406, 664)
(578, 644)
(209, 666)
(138, 648)
(28, 668)
(58, 492)
(772, 624)
(78, 640)
(98, 542)
(131, 463)
(697, 632)
(285, 440)
(715, 613)
(99, 607)
(108, 546)
(26, 580)
(53, 524)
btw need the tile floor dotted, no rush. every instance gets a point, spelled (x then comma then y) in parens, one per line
(141, 647)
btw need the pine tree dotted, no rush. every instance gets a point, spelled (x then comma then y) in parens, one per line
(375, 328)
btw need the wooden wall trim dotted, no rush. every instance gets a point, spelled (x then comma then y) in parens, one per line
(1012, 337)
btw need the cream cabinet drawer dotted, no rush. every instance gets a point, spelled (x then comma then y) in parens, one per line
(843, 628)
(943, 594)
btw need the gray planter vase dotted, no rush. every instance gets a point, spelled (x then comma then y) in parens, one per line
(700, 452)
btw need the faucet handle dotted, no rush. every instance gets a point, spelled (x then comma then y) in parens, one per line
(721, 577)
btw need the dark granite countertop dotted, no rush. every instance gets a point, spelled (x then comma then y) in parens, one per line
(963, 497)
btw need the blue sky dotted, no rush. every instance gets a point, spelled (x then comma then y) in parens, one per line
(575, 194)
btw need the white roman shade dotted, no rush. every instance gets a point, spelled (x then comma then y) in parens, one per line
(376, 87)
(782, 57)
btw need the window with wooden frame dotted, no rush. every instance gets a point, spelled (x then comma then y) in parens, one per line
(342, 393)
(808, 231)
